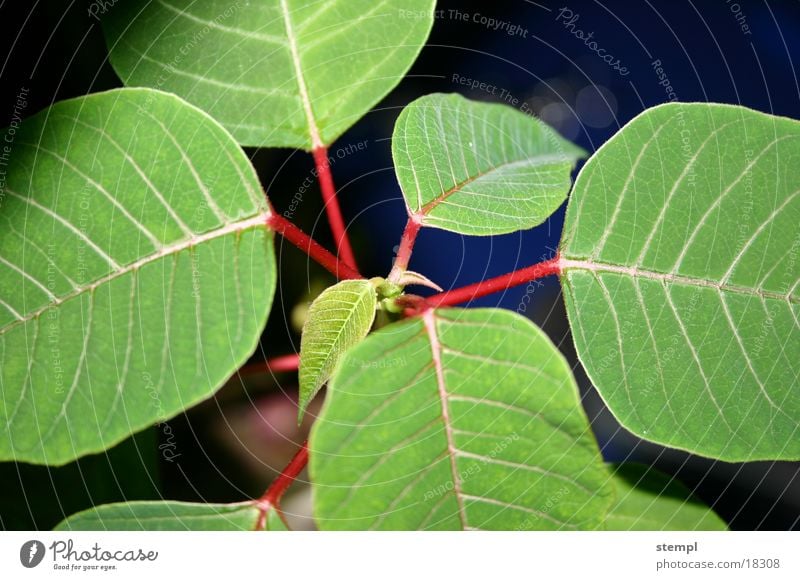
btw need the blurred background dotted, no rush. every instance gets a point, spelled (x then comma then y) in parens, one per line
(232, 446)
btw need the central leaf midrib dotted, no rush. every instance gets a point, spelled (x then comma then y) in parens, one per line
(362, 295)
(170, 250)
(294, 53)
(431, 205)
(429, 320)
(566, 264)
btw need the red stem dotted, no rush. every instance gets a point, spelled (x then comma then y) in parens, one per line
(272, 497)
(296, 236)
(332, 208)
(406, 247)
(280, 364)
(492, 285)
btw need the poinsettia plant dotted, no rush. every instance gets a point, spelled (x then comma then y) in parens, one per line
(138, 271)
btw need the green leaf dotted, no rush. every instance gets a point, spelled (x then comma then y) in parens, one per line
(479, 168)
(136, 270)
(649, 500)
(337, 320)
(459, 419)
(170, 516)
(277, 73)
(681, 273)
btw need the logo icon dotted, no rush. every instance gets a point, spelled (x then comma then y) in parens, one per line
(31, 553)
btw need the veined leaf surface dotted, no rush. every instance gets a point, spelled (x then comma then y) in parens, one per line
(136, 271)
(277, 73)
(649, 500)
(460, 419)
(337, 320)
(681, 269)
(171, 516)
(479, 168)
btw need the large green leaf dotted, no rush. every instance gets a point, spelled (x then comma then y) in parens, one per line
(479, 168)
(337, 320)
(136, 271)
(681, 272)
(459, 419)
(280, 73)
(172, 516)
(649, 500)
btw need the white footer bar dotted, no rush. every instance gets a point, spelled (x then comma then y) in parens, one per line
(397, 555)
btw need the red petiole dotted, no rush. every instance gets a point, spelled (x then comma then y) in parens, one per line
(272, 497)
(413, 226)
(498, 284)
(334, 212)
(306, 244)
(342, 269)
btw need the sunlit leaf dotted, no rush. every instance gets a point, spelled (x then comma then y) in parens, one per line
(337, 320)
(479, 168)
(280, 73)
(459, 419)
(136, 271)
(681, 269)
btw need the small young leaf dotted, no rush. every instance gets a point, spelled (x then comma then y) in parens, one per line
(479, 168)
(275, 73)
(409, 278)
(682, 279)
(136, 271)
(460, 419)
(649, 500)
(170, 516)
(337, 320)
